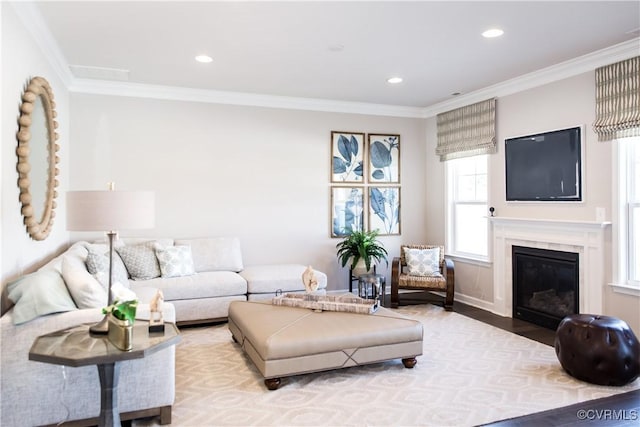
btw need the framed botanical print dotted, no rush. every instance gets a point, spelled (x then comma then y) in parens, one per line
(347, 157)
(384, 159)
(347, 210)
(384, 210)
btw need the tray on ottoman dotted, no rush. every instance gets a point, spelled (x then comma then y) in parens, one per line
(283, 341)
(347, 303)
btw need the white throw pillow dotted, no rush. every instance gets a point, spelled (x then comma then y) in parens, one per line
(422, 262)
(175, 261)
(37, 294)
(85, 290)
(140, 260)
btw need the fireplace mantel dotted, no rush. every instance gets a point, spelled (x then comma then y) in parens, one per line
(587, 238)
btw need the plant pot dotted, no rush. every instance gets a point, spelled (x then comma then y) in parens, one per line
(361, 268)
(120, 333)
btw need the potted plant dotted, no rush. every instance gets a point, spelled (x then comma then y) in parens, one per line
(362, 249)
(121, 314)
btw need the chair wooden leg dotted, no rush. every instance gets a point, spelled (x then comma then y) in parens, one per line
(395, 271)
(451, 282)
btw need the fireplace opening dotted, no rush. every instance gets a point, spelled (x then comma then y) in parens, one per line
(545, 285)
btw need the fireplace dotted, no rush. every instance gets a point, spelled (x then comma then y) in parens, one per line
(587, 238)
(545, 285)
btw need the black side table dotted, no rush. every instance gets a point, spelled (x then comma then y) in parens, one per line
(372, 286)
(76, 346)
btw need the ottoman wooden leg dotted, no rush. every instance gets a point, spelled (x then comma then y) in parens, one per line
(409, 362)
(272, 383)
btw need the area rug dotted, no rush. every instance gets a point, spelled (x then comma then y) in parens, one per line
(470, 373)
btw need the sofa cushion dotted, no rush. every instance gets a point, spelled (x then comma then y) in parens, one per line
(199, 285)
(140, 260)
(215, 253)
(98, 265)
(283, 277)
(175, 261)
(37, 294)
(85, 290)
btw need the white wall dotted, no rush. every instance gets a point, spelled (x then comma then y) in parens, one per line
(257, 173)
(22, 59)
(557, 105)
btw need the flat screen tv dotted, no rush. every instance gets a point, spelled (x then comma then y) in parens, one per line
(544, 167)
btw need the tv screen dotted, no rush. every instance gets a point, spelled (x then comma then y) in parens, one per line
(544, 167)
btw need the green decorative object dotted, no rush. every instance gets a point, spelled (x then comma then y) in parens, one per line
(120, 333)
(361, 246)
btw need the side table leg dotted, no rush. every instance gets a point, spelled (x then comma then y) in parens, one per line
(109, 414)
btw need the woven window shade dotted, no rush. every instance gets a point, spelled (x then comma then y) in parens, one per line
(618, 100)
(467, 131)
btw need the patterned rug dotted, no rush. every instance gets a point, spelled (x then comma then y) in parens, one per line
(470, 373)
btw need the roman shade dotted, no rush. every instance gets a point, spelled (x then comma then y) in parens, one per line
(467, 131)
(618, 100)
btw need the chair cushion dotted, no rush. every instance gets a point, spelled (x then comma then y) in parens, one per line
(436, 281)
(422, 262)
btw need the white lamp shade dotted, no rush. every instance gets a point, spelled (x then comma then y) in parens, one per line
(110, 210)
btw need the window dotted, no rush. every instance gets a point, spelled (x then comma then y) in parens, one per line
(466, 223)
(629, 212)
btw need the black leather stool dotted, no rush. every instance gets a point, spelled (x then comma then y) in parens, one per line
(598, 349)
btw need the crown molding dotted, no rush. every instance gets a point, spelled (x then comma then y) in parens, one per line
(32, 20)
(34, 23)
(139, 90)
(563, 70)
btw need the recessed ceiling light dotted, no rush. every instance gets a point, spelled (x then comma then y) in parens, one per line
(493, 32)
(204, 59)
(394, 80)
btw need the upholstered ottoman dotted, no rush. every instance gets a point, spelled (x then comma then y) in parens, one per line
(598, 349)
(283, 341)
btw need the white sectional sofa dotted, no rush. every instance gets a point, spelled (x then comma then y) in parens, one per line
(200, 293)
(206, 275)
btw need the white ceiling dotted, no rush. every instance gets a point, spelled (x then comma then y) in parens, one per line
(335, 50)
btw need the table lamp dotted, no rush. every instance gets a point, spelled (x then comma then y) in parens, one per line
(109, 211)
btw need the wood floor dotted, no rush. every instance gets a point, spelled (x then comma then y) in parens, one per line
(621, 410)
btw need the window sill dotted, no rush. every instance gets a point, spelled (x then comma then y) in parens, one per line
(482, 262)
(625, 289)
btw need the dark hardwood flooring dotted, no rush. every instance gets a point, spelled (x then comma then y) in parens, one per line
(621, 410)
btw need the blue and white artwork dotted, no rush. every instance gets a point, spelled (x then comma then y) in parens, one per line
(347, 152)
(384, 210)
(347, 210)
(384, 159)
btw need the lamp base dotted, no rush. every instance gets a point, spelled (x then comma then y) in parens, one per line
(102, 327)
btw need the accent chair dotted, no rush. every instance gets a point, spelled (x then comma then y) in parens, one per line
(422, 267)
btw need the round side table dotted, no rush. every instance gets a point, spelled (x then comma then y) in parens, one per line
(372, 286)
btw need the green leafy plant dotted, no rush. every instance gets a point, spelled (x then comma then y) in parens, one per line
(125, 303)
(361, 245)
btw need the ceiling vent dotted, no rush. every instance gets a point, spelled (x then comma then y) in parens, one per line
(99, 73)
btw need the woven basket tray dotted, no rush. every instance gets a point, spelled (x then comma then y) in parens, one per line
(347, 303)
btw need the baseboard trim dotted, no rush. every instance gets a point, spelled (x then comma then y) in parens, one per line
(476, 302)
